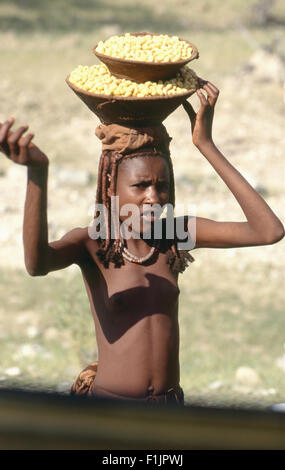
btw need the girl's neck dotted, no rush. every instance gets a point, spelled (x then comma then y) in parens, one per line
(139, 246)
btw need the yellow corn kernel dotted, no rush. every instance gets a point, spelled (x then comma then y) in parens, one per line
(98, 80)
(130, 47)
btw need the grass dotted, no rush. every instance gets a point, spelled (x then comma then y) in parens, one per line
(65, 16)
(222, 328)
(227, 327)
(63, 322)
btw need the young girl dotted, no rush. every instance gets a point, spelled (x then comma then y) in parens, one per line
(132, 283)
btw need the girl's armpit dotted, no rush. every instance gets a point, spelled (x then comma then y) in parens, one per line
(68, 250)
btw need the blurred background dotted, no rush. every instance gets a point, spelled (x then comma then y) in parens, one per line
(232, 322)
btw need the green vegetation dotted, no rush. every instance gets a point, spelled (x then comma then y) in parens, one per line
(63, 341)
(222, 327)
(67, 16)
(225, 325)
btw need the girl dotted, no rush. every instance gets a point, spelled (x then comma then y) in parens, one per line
(132, 283)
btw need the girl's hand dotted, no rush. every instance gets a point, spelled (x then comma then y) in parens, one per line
(19, 148)
(201, 122)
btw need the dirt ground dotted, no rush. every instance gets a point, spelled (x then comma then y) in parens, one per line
(249, 130)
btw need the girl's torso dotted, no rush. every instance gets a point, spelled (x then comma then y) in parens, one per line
(135, 310)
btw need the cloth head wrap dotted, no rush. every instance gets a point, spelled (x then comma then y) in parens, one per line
(126, 140)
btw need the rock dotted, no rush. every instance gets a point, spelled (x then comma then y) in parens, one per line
(216, 385)
(28, 350)
(247, 376)
(12, 371)
(32, 332)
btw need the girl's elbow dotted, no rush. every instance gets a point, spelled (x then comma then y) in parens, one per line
(275, 235)
(35, 270)
(35, 273)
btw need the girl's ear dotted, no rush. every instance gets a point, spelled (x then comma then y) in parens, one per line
(109, 183)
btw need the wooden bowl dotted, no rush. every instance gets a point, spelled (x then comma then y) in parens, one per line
(139, 71)
(130, 111)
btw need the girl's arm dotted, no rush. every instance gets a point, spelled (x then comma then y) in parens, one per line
(262, 227)
(40, 256)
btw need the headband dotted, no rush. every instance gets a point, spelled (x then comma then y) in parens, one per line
(126, 139)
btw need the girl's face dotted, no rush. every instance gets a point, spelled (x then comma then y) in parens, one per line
(143, 181)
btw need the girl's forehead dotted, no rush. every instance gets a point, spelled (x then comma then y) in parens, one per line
(144, 165)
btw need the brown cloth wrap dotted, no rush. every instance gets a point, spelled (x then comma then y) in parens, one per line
(126, 140)
(84, 383)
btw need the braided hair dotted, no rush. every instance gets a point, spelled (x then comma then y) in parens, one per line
(110, 250)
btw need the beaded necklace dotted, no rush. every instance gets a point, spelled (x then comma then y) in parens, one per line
(135, 259)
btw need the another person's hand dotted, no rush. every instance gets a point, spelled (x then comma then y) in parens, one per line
(19, 148)
(201, 122)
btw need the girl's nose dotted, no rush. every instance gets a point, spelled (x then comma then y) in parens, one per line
(152, 195)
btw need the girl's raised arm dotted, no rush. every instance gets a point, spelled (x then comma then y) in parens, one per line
(262, 226)
(40, 256)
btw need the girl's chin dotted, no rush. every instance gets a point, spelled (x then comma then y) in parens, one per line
(145, 227)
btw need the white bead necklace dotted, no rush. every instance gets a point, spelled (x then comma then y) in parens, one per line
(135, 259)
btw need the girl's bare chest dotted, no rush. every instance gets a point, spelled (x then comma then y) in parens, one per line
(146, 291)
(135, 287)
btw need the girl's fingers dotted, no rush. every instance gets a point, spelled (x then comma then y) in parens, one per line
(23, 145)
(4, 129)
(212, 95)
(14, 138)
(25, 141)
(17, 134)
(202, 98)
(213, 87)
(201, 82)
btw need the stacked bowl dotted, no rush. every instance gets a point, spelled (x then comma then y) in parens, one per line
(146, 109)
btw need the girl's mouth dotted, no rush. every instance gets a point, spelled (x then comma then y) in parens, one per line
(150, 216)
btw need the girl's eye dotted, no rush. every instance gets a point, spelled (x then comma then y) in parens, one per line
(163, 186)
